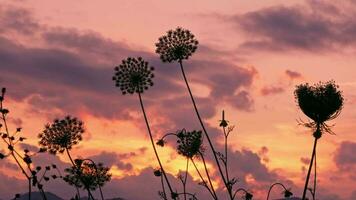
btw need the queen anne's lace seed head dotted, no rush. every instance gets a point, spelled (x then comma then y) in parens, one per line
(61, 134)
(176, 45)
(133, 75)
(87, 175)
(320, 102)
(189, 143)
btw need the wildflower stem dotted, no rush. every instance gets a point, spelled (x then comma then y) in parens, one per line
(164, 189)
(185, 180)
(29, 189)
(202, 125)
(226, 167)
(74, 165)
(208, 176)
(314, 188)
(202, 179)
(271, 187)
(309, 170)
(153, 144)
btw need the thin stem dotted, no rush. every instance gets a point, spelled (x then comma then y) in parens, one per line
(314, 188)
(185, 180)
(101, 193)
(270, 188)
(202, 125)
(74, 165)
(153, 144)
(207, 174)
(29, 189)
(44, 197)
(309, 170)
(226, 163)
(202, 179)
(163, 188)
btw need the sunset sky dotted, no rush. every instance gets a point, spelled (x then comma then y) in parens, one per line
(57, 58)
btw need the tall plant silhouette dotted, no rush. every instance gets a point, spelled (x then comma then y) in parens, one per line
(61, 136)
(24, 159)
(321, 102)
(134, 76)
(190, 145)
(92, 176)
(178, 45)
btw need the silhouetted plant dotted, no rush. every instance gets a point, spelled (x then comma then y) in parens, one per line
(178, 45)
(321, 102)
(23, 160)
(134, 75)
(286, 193)
(61, 136)
(91, 177)
(189, 145)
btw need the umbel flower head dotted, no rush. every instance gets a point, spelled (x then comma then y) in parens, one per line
(176, 45)
(320, 102)
(189, 143)
(87, 175)
(133, 75)
(61, 134)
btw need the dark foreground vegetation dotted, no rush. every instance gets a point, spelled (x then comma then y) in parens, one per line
(320, 103)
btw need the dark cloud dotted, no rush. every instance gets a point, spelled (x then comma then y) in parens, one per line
(345, 157)
(113, 159)
(293, 74)
(271, 90)
(304, 27)
(18, 20)
(74, 74)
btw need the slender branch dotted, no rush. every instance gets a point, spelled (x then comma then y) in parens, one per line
(153, 144)
(202, 125)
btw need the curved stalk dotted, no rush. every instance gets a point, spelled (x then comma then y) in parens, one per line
(203, 127)
(153, 144)
(238, 190)
(270, 188)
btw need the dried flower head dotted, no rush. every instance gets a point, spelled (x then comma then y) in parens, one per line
(287, 193)
(88, 175)
(189, 143)
(320, 102)
(61, 134)
(176, 45)
(133, 75)
(248, 196)
(157, 172)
